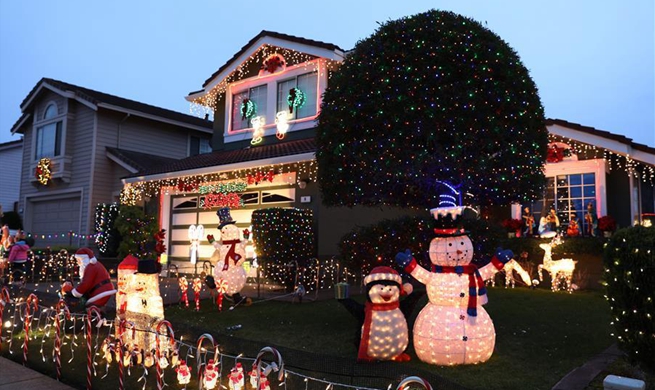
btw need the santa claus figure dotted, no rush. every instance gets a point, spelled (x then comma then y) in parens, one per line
(95, 287)
(230, 254)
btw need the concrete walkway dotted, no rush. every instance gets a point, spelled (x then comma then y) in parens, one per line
(579, 378)
(13, 376)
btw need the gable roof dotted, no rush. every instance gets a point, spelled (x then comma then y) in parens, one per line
(272, 38)
(217, 159)
(137, 161)
(617, 143)
(95, 99)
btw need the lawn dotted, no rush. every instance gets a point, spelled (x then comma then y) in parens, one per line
(541, 336)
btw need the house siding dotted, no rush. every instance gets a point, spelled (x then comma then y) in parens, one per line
(160, 139)
(618, 197)
(11, 158)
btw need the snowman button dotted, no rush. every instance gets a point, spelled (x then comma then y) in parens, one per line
(462, 317)
(465, 338)
(462, 295)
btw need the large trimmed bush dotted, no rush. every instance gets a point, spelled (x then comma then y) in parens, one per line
(630, 278)
(137, 230)
(434, 96)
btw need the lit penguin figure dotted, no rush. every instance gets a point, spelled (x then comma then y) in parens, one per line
(126, 269)
(384, 333)
(230, 254)
(453, 328)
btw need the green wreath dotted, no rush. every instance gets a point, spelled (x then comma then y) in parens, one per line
(248, 109)
(295, 98)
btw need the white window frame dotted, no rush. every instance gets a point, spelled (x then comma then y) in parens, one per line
(271, 80)
(596, 166)
(39, 123)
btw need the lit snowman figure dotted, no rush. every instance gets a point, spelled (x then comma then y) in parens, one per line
(230, 254)
(144, 307)
(453, 328)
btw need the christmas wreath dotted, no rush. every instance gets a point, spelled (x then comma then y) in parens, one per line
(296, 98)
(248, 109)
(42, 172)
(272, 63)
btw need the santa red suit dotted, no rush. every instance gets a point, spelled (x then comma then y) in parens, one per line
(95, 284)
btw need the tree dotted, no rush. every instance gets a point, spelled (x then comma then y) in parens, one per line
(434, 96)
(137, 230)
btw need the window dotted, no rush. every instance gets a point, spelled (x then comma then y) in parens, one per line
(199, 145)
(307, 84)
(48, 134)
(568, 194)
(258, 96)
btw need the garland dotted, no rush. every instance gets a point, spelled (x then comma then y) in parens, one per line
(296, 98)
(223, 188)
(248, 109)
(43, 173)
(231, 200)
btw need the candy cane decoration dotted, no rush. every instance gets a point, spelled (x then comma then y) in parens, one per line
(221, 289)
(184, 287)
(32, 301)
(4, 300)
(89, 355)
(171, 335)
(205, 336)
(197, 286)
(119, 360)
(60, 308)
(279, 367)
(403, 385)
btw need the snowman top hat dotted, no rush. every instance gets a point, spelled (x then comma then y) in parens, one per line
(224, 217)
(450, 214)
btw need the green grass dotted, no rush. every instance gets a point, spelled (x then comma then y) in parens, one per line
(541, 336)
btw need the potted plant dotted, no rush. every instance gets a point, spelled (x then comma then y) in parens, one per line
(607, 225)
(512, 226)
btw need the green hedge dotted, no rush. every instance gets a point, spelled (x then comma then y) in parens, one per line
(630, 278)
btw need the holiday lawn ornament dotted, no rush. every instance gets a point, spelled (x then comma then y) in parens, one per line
(126, 269)
(195, 234)
(5, 299)
(183, 373)
(453, 328)
(561, 271)
(200, 349)
(276, 366)
(95, 287)
(405, 383)
(91, 312)
(32, 302)
(252, 375)
(229, 255)
(162, 325)
(210, 375)
(60, 308)
(197, 287)
(508, 270)
(384, 333)
(184, 288)
(235, 379)
(145, 307)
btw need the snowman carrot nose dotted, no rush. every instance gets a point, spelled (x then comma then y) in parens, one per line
(459, 252)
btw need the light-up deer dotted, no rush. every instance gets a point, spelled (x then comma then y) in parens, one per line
(508, 270)
(560, 270)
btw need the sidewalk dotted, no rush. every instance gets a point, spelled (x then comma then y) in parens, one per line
(13, 376)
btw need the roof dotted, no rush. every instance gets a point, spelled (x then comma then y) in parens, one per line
(12, 144)
(219, 158)
(98, 98)
(272, 34)
(601, 133)
(139, 161)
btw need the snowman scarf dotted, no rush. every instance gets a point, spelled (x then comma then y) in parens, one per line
(476, 284)
(231, 253)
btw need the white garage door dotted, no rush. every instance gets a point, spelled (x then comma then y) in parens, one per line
(54, 219)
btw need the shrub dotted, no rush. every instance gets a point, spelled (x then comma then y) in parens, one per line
(512, 225)
(107, 237)
(283, 237)
(13, 220)
(629, 260)
(137, 230)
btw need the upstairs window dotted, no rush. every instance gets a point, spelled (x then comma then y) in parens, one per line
(256, 95)
(48, 134)
(307, 83)
(199, 145)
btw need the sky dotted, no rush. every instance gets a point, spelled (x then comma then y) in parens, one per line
(592, 60)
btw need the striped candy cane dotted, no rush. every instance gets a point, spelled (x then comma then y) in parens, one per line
(32, 301)
(122, 327)
(197, 287)
(4, 300)
(413, 379)
(90, 312)
(167, 325)
(60, 308)
(184, 287)
(279, 367)
(203, 337)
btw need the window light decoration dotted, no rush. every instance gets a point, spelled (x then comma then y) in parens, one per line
(561, 271)
(295, 99)
(248, 109)
(282, 124)
(258, 123)
(43, 171)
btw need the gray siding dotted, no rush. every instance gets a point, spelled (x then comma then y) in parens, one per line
(11, 159)
(156, 138)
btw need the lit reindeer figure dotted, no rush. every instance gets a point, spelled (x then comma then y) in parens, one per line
(560, 270)
(508, 270)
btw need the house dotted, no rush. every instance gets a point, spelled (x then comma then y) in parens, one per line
(77, 145)
(11, 155)
(264, 151)
(609, 171)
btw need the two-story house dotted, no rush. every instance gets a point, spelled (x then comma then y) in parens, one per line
(265, 101)
(11, 156)
(77, 145)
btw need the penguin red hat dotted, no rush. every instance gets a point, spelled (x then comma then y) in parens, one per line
(383, 273)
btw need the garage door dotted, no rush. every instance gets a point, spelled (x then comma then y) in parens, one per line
(54, 219)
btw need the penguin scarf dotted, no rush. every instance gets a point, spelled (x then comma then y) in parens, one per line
(369, 308)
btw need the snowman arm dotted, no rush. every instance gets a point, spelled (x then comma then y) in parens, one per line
(419, 273)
